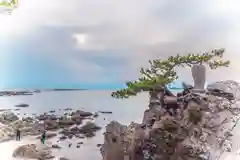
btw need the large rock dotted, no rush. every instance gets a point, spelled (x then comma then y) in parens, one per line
(31, 151)
(8, 117)
(89, 129)
(113, 148)
(228, 89)
(200, 128)
(81, 113)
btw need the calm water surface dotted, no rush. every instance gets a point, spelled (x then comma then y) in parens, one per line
(124, 111)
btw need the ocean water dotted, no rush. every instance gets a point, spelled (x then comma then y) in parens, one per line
(124, 111)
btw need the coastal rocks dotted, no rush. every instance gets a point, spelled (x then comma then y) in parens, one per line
(80, 113)
(22, 105)
(51, 124)
(190, 126)
(228, 89)
(55, 146)
(46, 117)
(89, 129)
(105, 112)
(15, 93)
(31, 151)
(8, 132)
(113, 149)
(65, 122)
(63, 158)
(8, 117)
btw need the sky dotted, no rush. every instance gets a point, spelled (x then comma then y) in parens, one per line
(101, 44)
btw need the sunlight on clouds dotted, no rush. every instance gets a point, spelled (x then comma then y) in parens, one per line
(136, 30)
(81, 38)
(86, 42)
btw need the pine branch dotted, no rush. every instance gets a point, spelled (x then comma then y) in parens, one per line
(162, 72)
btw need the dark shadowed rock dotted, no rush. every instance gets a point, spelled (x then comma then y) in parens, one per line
(47, 117)
(55, 146)
(63, 138)
(81, 113)
(63, 158)
(106, 112)
(95, 115)
(228, 89)
(89, 129)
(22, 105)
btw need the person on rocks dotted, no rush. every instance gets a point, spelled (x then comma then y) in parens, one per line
(43, 137)
(18, 134)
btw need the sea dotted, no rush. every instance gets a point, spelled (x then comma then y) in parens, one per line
(124, 111)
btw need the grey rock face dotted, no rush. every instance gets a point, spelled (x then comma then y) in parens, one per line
(230, 88)
(31, 151)
(7, 117)
(201, 129)
(199, 76)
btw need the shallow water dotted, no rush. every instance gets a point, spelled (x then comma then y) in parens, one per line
(124, 111)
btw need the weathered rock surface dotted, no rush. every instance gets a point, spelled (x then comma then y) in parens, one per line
(228, 89)
(8, 117)
(31, 151)
(190, 126)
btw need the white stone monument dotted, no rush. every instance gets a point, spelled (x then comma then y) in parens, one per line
(199, 77)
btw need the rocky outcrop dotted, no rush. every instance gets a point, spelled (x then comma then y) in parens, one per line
(8, 117)
(22, 105)
(31, 151)
(227, 89)
(187, 126)
(87, 130)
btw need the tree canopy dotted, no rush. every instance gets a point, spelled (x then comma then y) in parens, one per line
(163, 72)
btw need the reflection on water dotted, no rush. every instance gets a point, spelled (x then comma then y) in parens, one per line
(124, 111)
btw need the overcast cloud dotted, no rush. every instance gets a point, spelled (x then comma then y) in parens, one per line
(108, 41)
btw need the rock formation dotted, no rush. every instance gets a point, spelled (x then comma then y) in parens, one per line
(32, 151)
(189, 126)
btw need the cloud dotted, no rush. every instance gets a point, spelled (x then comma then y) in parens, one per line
(121, 36)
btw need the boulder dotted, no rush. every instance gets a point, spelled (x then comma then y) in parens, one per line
(89, 129)
(31, 151)
(227, 89)
(8, 117)
(22, 105)
(81, 113)
(200, 128)
(55, 146)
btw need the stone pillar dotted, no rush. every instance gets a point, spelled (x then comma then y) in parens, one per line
(199, 77)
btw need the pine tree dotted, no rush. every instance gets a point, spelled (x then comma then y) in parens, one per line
(162, 72)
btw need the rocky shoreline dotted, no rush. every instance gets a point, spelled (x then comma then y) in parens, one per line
(28, 92)
(77, 124)
(205, 140)
(192, 125)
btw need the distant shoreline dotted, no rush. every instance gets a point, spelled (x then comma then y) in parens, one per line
(32, 91)
(61, 89)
